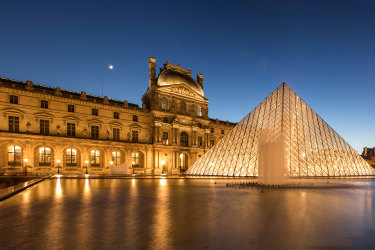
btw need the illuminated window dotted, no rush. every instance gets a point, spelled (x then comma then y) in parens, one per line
(183, 107)
(14, 123)
(14, 155)
(165, 138)
(94, 158)
(137, 160)
(183, 162)
(116, 157)
(184, 141)
(44, 156)
(164, 103)
(199, 110)
(71, 157)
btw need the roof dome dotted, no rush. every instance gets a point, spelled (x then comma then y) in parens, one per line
(171, 75)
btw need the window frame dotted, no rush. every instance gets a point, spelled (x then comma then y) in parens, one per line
(13, 123)
(116, 134)
(17, 156)
(44, 104)
(44, 155)
(72, 130)
(71, 108)
(44, 126)
(13, 99)
(94, 112)
(95, 130)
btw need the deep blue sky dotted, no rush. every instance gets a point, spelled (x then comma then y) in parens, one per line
(324, 50)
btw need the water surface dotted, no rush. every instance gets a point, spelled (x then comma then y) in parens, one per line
(186, 214)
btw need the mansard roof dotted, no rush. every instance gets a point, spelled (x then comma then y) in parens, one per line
(30, 86)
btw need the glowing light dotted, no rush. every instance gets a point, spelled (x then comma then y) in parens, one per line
(111, 162)
(58, 161)
(25, 160)
(163, 181)
(58, 175)
(110, 66)
(58, 188)
(86, 162)
(162, 162)
(87, 175)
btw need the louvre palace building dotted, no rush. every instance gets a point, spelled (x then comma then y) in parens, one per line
(44, 128)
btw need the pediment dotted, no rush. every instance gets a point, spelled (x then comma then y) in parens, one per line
(13, 111)
(135, 125)
(44, 115)
(183, 90)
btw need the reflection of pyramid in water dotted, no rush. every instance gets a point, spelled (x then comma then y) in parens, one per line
(309, 146)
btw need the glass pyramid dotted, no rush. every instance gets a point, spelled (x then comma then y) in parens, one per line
(309, 146)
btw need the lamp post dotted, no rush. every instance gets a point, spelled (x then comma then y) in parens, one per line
(133, 164)
(58, 166)
(25, 162)
(87, 162)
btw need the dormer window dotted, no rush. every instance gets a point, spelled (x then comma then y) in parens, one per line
(164, 103)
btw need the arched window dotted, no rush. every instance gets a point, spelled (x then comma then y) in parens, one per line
(184, 141)
(183, 162)
(164, 103)
(116, 157)
(183, 107)
(14, 155)
(71, 157)
(94, 158)
(199, 110)
(137, 160)
(44, 156)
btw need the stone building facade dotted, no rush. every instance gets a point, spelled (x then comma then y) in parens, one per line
(369, 155)
(43, 129)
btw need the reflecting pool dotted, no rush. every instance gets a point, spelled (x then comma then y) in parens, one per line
(187, 214)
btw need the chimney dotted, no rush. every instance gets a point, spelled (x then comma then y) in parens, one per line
(200, 80)
(151, 71)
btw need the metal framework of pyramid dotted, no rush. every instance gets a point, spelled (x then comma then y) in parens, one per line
(310, 146)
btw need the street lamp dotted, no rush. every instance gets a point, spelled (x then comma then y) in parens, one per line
(133, 165)
(58, 167)
(25, 161)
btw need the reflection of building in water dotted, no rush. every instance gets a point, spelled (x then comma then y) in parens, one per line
(45, 124)
(369, 155)
(310, 147)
